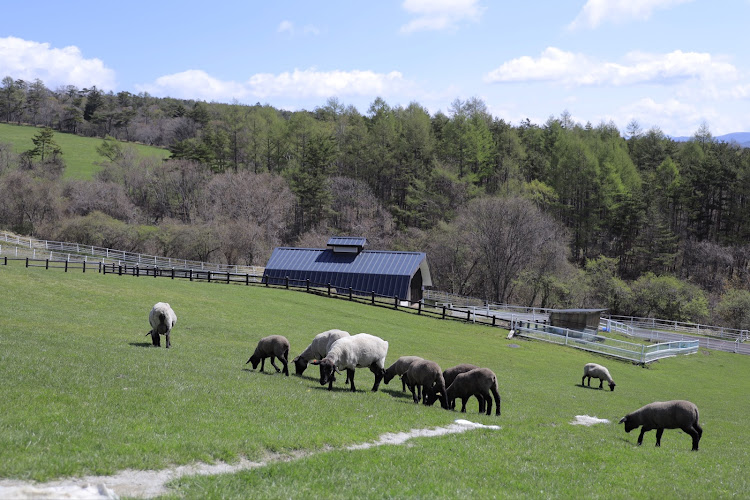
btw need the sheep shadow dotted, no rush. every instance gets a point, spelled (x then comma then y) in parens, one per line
(141, 344)
(250, 370)
(396, 393)
(590, 387)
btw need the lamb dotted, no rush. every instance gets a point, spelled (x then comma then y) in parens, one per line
(399, 368)
(450, 374)
(317, 349)
(162, 319)
(427, 378)
(356, 351)
(597, 371)
(273, 346)
(665, 415)
(480, 381)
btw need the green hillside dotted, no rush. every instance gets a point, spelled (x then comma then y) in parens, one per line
(79, 153)
(84, 393)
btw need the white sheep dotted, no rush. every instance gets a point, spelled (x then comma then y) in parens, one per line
(162, 319)
(273, 346)
(597, 371)
(425, 381)
(317, 349)
(357, 351)
(665, 415)
(399, 369)
(477, 382)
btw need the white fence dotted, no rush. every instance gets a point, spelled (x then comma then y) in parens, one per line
(590, 341)
(74, 252)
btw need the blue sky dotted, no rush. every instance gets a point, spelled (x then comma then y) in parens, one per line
(674, 64)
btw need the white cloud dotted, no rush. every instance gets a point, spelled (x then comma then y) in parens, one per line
(437, 15)
(289, 27)
(197, 84)
(573, 69)
(307, 83)
(285, 26)
(194, 84)
(596, 12)
(28, 60)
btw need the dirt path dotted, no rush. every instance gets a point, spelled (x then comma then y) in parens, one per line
(149, 484)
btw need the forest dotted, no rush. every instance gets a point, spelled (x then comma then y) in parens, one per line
(562, 214)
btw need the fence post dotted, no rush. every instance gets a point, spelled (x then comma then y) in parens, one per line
(419, 307)
(493, 320)
(247, 279)
(66, 266)
(286, 282)
(156, 270)
(329, 289)
(395, 302)
(468, 315)
(350, 293)
(209, 276)
(27, 262)
(443, 312)
(373, 297)
(227, 276)
(191, 275)
(566, 336)
(46, 264)
(173, 273)
(307, 283)
(84, 266)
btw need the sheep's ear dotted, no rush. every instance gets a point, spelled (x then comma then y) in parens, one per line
(315, 362)
(623, 419)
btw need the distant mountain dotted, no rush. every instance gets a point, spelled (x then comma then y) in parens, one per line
(741, 138)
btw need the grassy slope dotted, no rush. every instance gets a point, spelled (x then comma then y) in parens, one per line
(79, 153)
(83, 393)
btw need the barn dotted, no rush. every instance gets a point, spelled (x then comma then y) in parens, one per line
(345, 263)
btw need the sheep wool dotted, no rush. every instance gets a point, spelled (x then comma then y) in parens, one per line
(317, 349)
(662, 415)
(357, 351)
(162, 319)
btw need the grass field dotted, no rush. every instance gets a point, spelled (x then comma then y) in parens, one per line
(84, 393)
(79, 153)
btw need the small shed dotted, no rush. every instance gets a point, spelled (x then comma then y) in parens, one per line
(345, 263)
(576, 319)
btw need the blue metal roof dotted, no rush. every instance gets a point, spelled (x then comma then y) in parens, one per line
(347, 241)
(385, 273)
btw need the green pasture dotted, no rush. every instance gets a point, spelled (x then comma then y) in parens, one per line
(79, 153)
(83, 392)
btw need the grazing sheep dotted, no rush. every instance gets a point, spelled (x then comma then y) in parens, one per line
(450, 374)
(480, 381)
(317, 349)
(399, 368)
(597, 371)
(357, 351)
(427, 378)
(665, 415)
(273, 346)
(162, 319)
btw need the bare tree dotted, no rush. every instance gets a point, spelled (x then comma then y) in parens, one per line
(510, 235)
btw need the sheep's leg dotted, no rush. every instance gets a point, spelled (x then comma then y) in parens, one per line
(480, 399)
(350, 376)
(403, 384)
(413, 389)
(274, 364)
(285, 362)
(693, 434)
(601, 383)
(496, 395)
(640, 437)
(582, 380)
(487, 400)
(155, 338)
(262, 363)
(659, 432)
(463, 404)
(168, 342)
(379, 374)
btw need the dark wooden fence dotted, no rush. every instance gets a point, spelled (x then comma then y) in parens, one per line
(226, 277)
